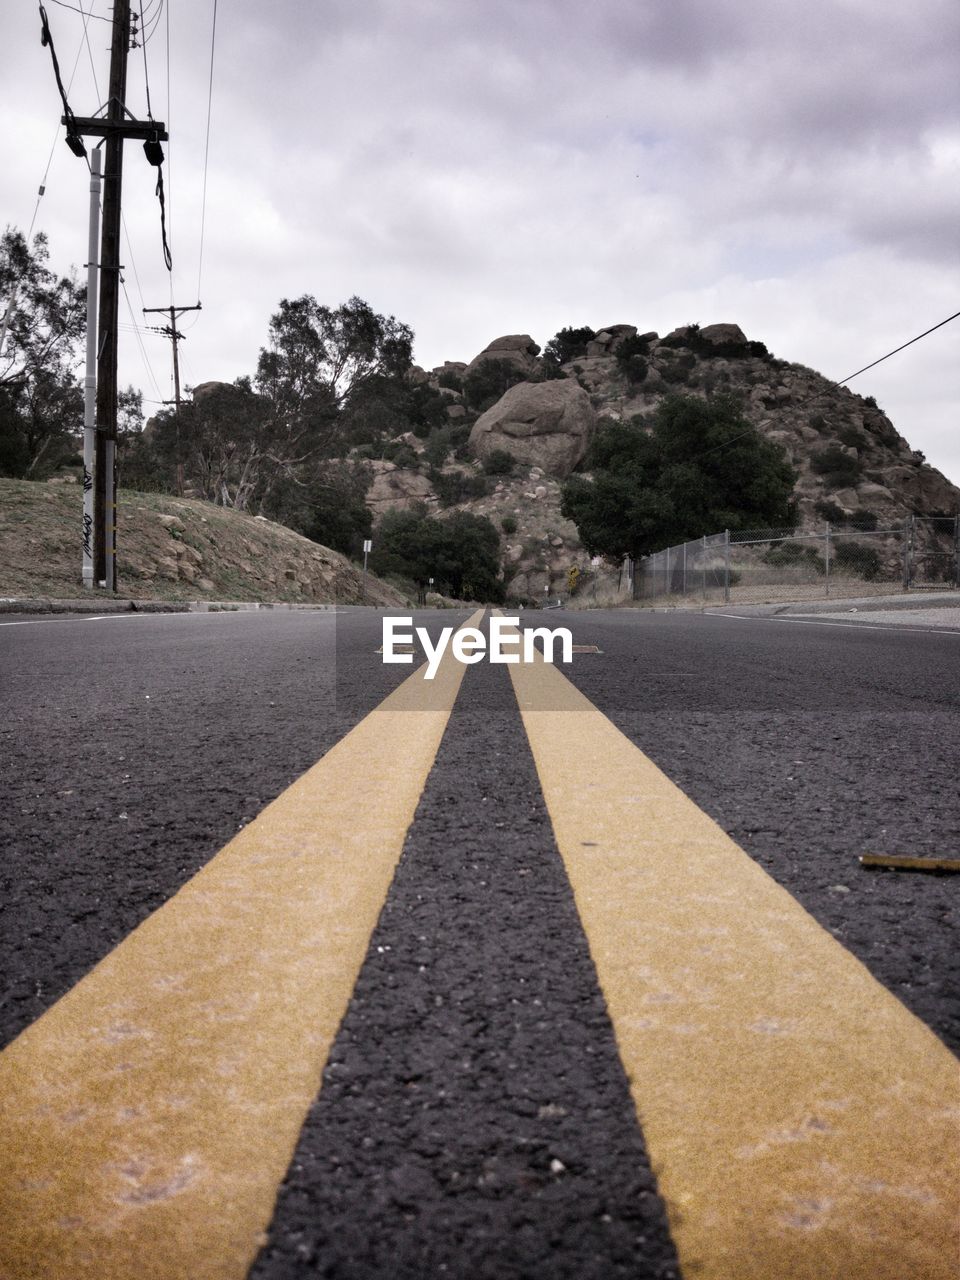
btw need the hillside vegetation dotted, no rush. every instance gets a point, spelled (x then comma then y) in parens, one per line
(170, 549)
(480, 477)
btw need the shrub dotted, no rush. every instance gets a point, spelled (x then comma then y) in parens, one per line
(498, 462)
(451, 380)
(509, 525)
(631, 357)
(853, 437)
(828, 510)
(400, 454)
(440, 443)
(863, 561)
(567, 345)
(547, 371)
(426, 408)
(817, 421)
(458, 486)
(794, 555)
(437, 447)
(866, 520)
(838, 468)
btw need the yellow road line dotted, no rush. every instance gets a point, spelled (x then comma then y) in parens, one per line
(147, 1118)
(800, 1120)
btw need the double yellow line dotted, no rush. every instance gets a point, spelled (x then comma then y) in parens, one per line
(802, 1123)
(800, 1120)
(148, 1117)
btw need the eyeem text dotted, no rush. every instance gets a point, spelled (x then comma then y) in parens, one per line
(469, 645)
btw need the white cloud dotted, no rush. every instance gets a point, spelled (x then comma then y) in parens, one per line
(498, 168)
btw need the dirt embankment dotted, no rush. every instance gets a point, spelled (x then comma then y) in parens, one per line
(171, 549)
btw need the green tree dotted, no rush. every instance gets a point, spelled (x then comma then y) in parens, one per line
(569, 344)
(461, 554)
(319, 375)
(631, 357)
(326, 504)
(44, 318)
(699, 468)
(222, 439)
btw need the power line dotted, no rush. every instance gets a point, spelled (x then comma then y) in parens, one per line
(740, 436)
(900, 348)
(74, 141)
(93, 69)
(146, 74)
(206, 149)
(53, 145)
(150, 19)
(139, 335)
(99, 16)
(166, 7)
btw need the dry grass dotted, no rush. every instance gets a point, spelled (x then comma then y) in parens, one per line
(170, 549)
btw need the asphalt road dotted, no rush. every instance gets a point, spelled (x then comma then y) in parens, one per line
(474, 1119)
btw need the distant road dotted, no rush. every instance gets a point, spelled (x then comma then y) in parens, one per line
(476, 1117)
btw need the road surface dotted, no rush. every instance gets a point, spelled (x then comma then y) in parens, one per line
(488, 1058)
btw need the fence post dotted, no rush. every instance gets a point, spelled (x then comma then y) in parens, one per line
(683, 582)
(826, 558)
(667, 584)
(956, 540)
(905, 534)
(726, 566)
(703, 569)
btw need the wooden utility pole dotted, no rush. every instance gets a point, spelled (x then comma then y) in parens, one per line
(175, 336)
(115, 127)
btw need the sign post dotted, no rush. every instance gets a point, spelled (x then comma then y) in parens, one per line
(367, 548)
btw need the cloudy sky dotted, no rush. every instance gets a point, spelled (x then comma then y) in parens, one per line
(481, 168)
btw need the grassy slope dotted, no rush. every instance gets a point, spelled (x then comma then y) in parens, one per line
(170, 549)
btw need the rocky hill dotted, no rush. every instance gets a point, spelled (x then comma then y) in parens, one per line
(170, 549)
(510, 460)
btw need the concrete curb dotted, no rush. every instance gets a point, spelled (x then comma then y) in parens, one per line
(860, 604)
(43, 604)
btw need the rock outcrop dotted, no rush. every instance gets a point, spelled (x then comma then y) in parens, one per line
(517, 349)
(721, 334)
(397, 487)
(854, 469)
(543, 424)
(609, 339)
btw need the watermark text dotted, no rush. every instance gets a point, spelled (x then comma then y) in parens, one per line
(468, 644)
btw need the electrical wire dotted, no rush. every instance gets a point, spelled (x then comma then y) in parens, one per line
(896, 349)
(133, 261)
(99, 16)
(165, 8)
(139, 335)
(93, 68)
(150, 20)
(839, 383)
(146, 75)
(206, 149)
(163, 221)
(56, 136)
(46, 38)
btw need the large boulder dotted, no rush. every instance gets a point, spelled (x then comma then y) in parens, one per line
(542, 424)
(205, 389)
(518, 349)
(395, 487)
(722, 335)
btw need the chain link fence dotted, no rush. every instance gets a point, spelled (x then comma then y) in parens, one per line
(767, 565)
